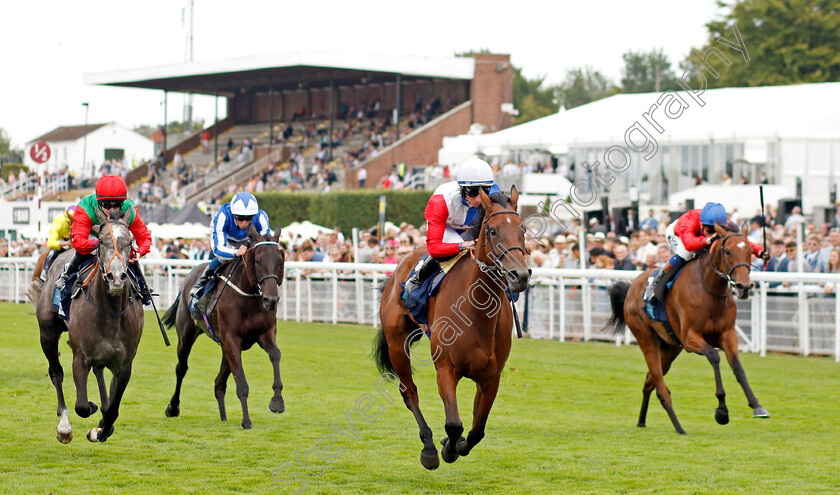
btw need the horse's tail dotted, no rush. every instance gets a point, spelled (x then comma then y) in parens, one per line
(618, 294)
(380, 354)
(34, 292)
(169, 317)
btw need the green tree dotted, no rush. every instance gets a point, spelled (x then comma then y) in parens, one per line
(5, 143)
(647, 72)
(583, 85)
(786, 42)
(531, 99)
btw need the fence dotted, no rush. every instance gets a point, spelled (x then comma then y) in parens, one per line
(561, 304)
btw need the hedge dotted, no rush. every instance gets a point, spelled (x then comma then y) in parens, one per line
(346, 209)
(11, 168)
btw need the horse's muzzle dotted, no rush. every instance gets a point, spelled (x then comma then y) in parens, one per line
(742, 291)
(114, 285)
(269, 303)
(518, 279)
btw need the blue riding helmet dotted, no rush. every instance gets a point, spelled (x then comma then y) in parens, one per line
(713, 213)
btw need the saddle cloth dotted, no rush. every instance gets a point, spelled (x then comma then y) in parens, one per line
(417, 301)
(657, 312)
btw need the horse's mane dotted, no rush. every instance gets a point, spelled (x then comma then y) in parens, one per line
(499, 198)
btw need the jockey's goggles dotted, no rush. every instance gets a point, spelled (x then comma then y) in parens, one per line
(108, 204)
(243, 218)
(472, 191)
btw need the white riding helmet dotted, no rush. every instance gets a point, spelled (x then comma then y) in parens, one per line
(244, 204)
(475, 172)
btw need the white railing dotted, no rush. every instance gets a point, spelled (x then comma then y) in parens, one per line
(563, 304)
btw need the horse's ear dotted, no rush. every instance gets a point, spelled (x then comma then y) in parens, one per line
(721, 230)
(514, 197)
(277, 233)
(486, 202)
(252, 233)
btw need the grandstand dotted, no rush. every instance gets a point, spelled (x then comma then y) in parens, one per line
(340, 109)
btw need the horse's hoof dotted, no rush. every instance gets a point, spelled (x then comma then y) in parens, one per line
(463, 447)
(64, 437)
(760, 412)
(449, 455)
(86, 413)
(93, 434)
(641, 425)
(429, 461)
(246, 426)
(722, 416)
(277, 406)
(172, 412)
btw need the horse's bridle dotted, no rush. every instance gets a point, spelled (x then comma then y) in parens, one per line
(725, 274)
(495, 258)
(260, 292)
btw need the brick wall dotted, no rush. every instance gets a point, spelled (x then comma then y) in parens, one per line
(491, 86)
(418, 148)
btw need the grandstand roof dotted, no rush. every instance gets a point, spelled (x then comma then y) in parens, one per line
(293, 70)
(794, 111)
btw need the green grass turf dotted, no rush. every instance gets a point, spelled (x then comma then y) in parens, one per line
(563, 422)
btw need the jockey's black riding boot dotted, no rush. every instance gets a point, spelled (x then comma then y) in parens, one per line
(48, 261)
(145, 291)
(660, 282)
(70, 268)
(429, 267)
(201, 282)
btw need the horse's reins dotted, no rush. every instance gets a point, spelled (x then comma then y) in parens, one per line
(104, 269)
(725, 274)
(260, 292)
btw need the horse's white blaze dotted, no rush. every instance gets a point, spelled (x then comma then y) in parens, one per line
(64, 423)
(741, 244)
(508, 220)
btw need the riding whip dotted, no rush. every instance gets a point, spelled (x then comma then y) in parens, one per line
(162, 330)
(763, 218)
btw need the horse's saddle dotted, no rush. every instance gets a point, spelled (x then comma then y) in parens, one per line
(656, 312)
(61, 302)
(417, 301)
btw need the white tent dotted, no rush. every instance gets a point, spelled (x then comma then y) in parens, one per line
(306, 229)
(184, 230)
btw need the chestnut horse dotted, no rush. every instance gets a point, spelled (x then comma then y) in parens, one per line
(471, 325)
(244, 314)
(105, 325)
(701, 312)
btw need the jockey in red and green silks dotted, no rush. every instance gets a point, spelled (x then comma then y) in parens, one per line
(111, 193)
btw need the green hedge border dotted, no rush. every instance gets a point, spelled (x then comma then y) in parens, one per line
(346, 209)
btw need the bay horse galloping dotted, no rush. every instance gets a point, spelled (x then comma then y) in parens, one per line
(471, 324)
(245, 313)
(701, 312)
(105, 325)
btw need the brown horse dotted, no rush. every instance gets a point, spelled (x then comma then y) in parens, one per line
(702, 320)
(244, 314)
(470, 320)
(105, 326)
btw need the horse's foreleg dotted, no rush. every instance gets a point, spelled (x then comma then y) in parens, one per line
(186, 339)
(100, 382)
(729, 344)
(49, 344)
(269, 344)
(447, 386)
(695, 343)
(485, 395)
(233, 351)
(119, 382)
(221, 386)
(81, 369)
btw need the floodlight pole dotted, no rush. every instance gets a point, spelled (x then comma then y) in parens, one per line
(84, 146)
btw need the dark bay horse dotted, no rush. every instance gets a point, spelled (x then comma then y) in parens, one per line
(701, 311)
(105, 325)
(471, 322)
(245, 314)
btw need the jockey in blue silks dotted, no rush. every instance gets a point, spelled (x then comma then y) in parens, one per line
(230, 233)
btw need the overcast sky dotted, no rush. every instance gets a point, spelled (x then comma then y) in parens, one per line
(49, 45)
